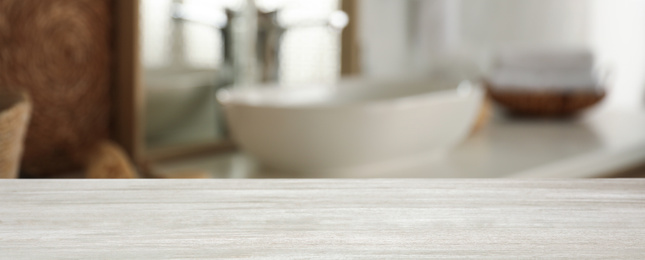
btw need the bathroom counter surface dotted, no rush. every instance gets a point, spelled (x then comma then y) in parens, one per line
(322, 219)
(601, 143)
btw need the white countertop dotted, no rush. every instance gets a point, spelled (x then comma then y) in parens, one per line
(599, 143)
(322, 219)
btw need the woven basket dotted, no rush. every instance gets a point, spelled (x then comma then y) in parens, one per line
(15, 109)
(545, 103)
(59, 52)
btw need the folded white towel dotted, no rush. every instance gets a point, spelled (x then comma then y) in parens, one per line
(511, 78)
(547, 59)
(545, 70)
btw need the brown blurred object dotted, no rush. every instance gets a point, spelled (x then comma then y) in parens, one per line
(59, 52)
(350, 50)
(107, 160)
(150, 170)
(15, 110)
(186, 174)
(548, 104)
(484, 115)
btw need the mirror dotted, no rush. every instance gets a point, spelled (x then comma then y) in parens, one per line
(192, 48)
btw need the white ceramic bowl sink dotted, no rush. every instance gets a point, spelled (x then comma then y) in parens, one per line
(352, 123)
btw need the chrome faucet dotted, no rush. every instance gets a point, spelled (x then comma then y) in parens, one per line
(252, 39)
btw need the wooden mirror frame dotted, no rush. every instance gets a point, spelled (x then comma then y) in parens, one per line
(128, 92)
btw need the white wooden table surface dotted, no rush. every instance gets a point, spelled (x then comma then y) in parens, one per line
(322, 219)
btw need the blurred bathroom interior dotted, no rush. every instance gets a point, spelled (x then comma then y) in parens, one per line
(332, 88)
(395, 37)
(191, 49)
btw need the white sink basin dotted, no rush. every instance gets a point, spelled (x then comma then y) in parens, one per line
(350, 124)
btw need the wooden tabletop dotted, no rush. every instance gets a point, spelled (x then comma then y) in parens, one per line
(322, 219)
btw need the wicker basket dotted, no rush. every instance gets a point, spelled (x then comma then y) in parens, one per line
(59, 52)
(545, 103)
(15, 110)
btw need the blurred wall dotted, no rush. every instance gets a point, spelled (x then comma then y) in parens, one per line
(498, 23)
(403, 36)
(383, 36)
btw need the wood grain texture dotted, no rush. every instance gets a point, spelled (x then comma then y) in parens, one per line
(322, 219)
